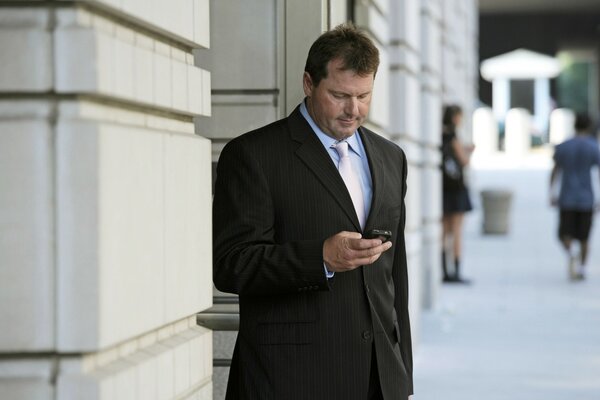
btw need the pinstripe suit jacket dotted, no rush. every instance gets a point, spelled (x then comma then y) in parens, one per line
(278, 196)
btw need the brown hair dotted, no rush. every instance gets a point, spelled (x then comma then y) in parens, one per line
(344, 42)
(450, 111)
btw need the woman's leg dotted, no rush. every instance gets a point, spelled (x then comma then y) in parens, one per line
(457, 226)
(446, 238)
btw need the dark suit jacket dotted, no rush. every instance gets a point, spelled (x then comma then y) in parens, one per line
(278, 196)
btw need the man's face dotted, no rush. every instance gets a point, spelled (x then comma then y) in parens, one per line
(340, 103)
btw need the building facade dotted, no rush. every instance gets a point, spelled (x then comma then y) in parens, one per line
(111, 115)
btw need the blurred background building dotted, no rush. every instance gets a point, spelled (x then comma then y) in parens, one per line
(112, 117)
(569, 33)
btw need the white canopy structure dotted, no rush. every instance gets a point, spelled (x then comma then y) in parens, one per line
(521, 64)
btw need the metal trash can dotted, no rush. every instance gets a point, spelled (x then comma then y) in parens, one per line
(496, 210)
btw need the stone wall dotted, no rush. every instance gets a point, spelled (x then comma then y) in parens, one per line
(105, 222)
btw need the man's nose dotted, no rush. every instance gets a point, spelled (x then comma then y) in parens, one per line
(351, 107)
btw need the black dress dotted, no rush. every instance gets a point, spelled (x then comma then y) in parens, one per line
(455, 196)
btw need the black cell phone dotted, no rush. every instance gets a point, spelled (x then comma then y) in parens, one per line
(378, 234)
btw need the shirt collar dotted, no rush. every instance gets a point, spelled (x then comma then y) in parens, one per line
(325, 139)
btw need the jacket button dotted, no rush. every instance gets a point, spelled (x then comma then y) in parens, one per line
(366, 335)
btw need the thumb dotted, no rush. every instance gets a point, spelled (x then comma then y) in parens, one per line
(350, 235)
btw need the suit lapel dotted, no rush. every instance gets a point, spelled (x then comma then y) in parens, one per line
(315, 157)
(376, 166)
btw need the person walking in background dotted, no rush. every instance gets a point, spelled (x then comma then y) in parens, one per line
(573, 162)
(456, 199)
(323, 298)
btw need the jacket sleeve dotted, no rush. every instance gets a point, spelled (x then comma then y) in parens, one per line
(246, 257)
(400, 276)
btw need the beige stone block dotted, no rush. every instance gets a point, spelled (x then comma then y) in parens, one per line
(105, 65)
(178, 55)
(19, 109)
(408, 15)
(124, 34)
(166, 382)
(125, 381)
(26, 60)
(197, 354)
(202, 23)
(188, 240)
(143, 41)
(134, 231)
(180, 85)
(162, 48)
(73, 17)
(177, 16)
(162, 81)
(112, 176)
(131, 232)
(94, 62)
(124, 73)
(181, 362)
(77, 196)
(23, 18)
(76, 52)
(380, 102)
(26, 379)
(147, 378)
(76, 382)
(195, 90)
(26, 229)
(142, 9)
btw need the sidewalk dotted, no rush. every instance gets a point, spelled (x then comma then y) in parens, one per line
(522, 330)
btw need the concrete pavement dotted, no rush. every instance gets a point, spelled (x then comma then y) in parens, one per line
(522, 330)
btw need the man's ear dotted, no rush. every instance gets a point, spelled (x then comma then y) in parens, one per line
(307, 84)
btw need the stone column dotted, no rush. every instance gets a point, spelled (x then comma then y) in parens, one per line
(501, 97)
(542, 105)
(517, 142)
(105, 222)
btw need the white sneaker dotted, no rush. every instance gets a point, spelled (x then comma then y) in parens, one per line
(581, 273)
(573, 273)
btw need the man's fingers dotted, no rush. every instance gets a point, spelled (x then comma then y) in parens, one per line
(365, 243)
(350, 235)
(368, 255)
(374, 252)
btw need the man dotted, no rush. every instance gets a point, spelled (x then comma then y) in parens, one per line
(574, 160)
(323, 311)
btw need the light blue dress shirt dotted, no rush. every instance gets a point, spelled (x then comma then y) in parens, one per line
(358, 158)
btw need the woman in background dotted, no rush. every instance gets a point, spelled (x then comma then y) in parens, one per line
(456, 199)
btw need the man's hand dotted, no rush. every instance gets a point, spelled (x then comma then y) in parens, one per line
(346, 251)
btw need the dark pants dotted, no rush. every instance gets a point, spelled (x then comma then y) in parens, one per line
(374, 385)
(575, 224)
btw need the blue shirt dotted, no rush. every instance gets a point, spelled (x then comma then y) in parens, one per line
(358, 156)
(575, 158)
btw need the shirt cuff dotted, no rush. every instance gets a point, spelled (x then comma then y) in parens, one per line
(328, 273)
